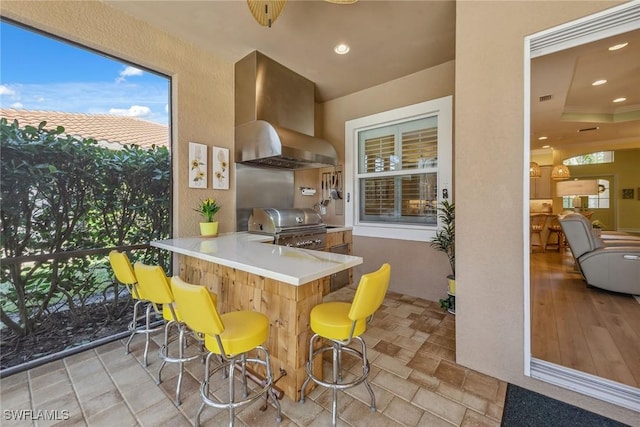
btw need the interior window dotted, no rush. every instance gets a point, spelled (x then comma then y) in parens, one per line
(590, 159)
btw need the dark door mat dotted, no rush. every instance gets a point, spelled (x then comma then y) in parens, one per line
(525, 408)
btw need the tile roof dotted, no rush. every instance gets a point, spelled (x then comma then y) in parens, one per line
(109, 130)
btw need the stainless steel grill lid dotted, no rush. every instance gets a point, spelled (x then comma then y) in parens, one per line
(274, 221)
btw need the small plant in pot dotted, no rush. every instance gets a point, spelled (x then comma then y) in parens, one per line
(597, 227)
(208, 208)
(445, 241)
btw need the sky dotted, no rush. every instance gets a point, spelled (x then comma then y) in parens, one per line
(41, 73)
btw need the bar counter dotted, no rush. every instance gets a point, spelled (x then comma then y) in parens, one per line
(249, 273)
(253, 253)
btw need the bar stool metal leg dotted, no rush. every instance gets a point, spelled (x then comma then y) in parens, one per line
(365, 366)
(163, 350)
(306, 381)
(146, 336)
(133, 326)
(232, 367)
(245, 390)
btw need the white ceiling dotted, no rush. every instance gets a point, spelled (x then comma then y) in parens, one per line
(391, 39)
(575, 104)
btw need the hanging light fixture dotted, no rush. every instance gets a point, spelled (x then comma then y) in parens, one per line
(534, 170)
(560, 172)
(266, 12)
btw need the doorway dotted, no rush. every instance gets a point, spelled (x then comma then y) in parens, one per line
(613, 22)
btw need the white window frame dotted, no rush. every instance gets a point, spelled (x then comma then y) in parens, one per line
(441, 107)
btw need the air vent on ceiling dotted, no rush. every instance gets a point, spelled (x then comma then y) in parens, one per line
(544, 98)
(588, 129)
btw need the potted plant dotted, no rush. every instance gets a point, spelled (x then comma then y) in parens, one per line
(445, 241)
(597, 227)
(208, 208)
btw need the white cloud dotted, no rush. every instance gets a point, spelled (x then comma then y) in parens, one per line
(133, 111)
(17, 105)
(127, 72)
(131, 71)
(93, 98)
(4, 90)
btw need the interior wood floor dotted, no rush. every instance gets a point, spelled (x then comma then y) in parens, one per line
(582, 327)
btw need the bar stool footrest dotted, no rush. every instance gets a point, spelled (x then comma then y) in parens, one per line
(264, 387)
(340, 386)
(225, 405)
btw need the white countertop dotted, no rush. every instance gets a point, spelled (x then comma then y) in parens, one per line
(337, 228)
(253, 253)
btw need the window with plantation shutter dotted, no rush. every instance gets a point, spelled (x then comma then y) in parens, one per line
(378, 153)
(398, 179)
(401, 168)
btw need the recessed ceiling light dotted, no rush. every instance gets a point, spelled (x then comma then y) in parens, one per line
(542, 138)
(598, 82)
(621, 99)
(546, 146)
(341, 49)
(618, 46)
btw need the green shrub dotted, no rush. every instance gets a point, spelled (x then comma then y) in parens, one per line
(60, 193)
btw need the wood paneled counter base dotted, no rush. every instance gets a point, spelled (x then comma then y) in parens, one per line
(287, 307)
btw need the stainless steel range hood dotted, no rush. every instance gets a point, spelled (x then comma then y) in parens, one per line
(274, 116)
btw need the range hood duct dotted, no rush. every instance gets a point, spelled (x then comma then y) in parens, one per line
(274, 117)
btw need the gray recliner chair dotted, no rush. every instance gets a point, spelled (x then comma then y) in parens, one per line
(613, 267)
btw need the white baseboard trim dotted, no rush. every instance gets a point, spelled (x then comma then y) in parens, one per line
(629, 230)
(587, 384)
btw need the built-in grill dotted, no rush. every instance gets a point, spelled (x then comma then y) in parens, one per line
(299, 228)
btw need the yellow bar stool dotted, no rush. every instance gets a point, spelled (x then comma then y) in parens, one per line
(124, 273)
(230, 336)
(341, 323)
(154, 285)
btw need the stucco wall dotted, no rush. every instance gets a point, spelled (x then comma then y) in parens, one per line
(489, 197)
(202, 98)
(417, 269)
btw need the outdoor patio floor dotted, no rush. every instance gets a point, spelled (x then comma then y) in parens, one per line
(414, 376)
